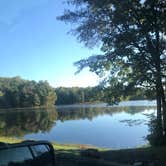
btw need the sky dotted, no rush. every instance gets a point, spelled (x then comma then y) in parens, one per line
(36, 46)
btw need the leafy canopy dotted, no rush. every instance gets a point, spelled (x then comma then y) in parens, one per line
(132, 35)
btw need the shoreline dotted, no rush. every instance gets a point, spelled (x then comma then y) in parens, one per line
(126, 103)
(74, 155)
(68, 145)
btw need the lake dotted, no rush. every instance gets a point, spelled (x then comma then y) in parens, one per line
(122, 126)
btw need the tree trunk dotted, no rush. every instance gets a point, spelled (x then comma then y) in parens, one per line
(159, 87)
(159, 114)
(164, 110)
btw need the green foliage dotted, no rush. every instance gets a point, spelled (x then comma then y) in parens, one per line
(154, 137)
(16, 92)
(131, 35)
(1, 94)
(78, 95)
(22, 93)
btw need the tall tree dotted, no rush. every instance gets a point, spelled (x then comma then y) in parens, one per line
(17, 92)
(132, 35)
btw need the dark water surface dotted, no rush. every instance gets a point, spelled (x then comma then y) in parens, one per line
(121, 126)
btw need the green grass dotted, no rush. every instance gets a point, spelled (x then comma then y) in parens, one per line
(70, 146)
(10, 140)
(72, 155)
(56, 146)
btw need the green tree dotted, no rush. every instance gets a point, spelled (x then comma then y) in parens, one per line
(77, 95)
(46, 93)
(1, 94)
(36, 100)
(132, 37)
(16, 92)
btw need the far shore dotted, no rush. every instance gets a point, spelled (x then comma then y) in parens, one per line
(121, 104)
(131, 103)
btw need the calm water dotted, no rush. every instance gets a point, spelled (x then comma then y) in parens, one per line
(121, 126)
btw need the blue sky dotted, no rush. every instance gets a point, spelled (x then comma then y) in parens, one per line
(35, 46)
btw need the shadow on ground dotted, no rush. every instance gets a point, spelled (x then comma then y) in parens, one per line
(128, 157)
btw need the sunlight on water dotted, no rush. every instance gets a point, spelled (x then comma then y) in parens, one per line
(111, 127)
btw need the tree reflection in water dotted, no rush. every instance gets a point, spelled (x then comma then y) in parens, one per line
(18, 123)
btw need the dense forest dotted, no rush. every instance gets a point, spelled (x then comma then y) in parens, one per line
(17, 92)
(96, 94)
(78, 95)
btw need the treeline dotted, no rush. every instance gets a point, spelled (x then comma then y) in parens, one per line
(17, 92)
(77, 95)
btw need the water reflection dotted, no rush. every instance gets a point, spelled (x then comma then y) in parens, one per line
(133, 122)
(77, 113)
(21, 122)
(18, 123)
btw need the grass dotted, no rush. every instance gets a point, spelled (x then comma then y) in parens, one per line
(78, 155)
(56, 146)
(10, 140)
